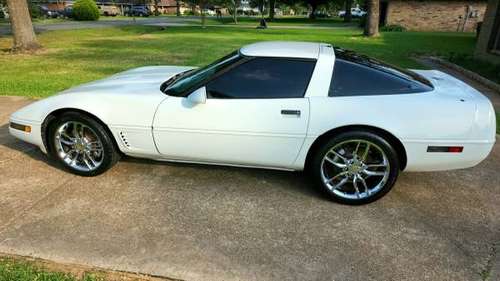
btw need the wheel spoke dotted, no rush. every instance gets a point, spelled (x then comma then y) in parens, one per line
(86, 161)
(68, 154)
(89, 156)
(365, 153)
(339, 165)
(362, 180)
(341, 183)
(374, 173)
(95, 146)
(356, 186)
(66, 142)
(338, 155)
(336, 177)
(75, 130)
(80, 132)
(355, 152)
(376, 165)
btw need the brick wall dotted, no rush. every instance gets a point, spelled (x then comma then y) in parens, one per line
(436, 15)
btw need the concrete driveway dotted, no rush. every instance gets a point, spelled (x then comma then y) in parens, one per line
(215, 223)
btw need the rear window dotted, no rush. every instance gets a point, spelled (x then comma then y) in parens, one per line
(355, 74)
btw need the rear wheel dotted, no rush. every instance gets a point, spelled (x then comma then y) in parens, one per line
(356, 167)
(81, 144)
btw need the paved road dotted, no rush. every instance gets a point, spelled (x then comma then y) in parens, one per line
(215, 223)
(170, 21)
(155, 21)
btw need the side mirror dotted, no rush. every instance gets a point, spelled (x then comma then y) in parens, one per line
(198, 96)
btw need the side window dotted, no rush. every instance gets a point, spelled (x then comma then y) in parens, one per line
(351, 79)
(262, 78)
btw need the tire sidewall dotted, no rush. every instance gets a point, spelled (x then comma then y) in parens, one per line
(109, 151)
(362, 135)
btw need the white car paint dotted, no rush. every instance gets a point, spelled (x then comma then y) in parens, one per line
(252, 132)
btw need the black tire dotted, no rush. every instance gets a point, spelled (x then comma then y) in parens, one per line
(109, 152)
(317, 172)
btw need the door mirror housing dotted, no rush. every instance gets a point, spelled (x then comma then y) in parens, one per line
(199, 96)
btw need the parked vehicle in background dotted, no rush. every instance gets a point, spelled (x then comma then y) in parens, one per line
(68, 12)
(209, 12)
(48, 13)
(108, 10)
(355, 13)
(320, 14)
(138, 11)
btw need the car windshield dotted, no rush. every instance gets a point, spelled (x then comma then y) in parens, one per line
(184, 81)
(381, 66)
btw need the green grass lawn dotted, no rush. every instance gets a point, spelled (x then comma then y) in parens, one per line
(12, 270)
(72, 57)
(483, 68)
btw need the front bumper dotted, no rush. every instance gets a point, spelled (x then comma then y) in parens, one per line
(34, 136)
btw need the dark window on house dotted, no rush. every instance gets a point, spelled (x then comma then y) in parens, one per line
(494, 44)
(262, 78)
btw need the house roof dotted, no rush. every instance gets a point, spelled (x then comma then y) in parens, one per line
(282, 49)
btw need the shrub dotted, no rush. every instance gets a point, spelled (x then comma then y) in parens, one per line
(34, 10)
(393, 28)
(85, 10)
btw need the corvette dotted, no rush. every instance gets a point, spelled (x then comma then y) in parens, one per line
(353, 122)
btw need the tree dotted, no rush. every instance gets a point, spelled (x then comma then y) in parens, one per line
(313, 5)
(235, 5)
(178, 8)
(272, 5)
(231, 5)
(372, 18)
(201, 4)
(22, 27)
(348, 15)
(155, 4)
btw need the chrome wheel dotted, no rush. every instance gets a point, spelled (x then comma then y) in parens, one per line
(78, 146)
(355, 169)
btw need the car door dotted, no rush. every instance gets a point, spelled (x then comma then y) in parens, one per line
(255, 114)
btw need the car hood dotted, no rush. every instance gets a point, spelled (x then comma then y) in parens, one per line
(142, 80)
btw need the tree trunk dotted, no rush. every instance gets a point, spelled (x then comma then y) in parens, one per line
(202, 13)
(312, 15)
(348, 15)
(157, 12)
(272, 4)
(235, 11)
(22, 27)
(178, 8)
(372, 18)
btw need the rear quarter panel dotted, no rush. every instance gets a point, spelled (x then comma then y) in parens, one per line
(417, 120)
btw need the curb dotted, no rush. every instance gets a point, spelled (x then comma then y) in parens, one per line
(469, 74)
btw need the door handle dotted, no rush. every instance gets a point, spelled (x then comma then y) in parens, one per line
(290, 112)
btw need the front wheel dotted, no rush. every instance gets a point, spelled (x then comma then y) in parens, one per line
(356, 167)
(81, 144)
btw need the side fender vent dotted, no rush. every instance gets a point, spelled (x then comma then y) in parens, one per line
(124, 139)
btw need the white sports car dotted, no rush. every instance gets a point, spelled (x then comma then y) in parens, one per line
(352, 121)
